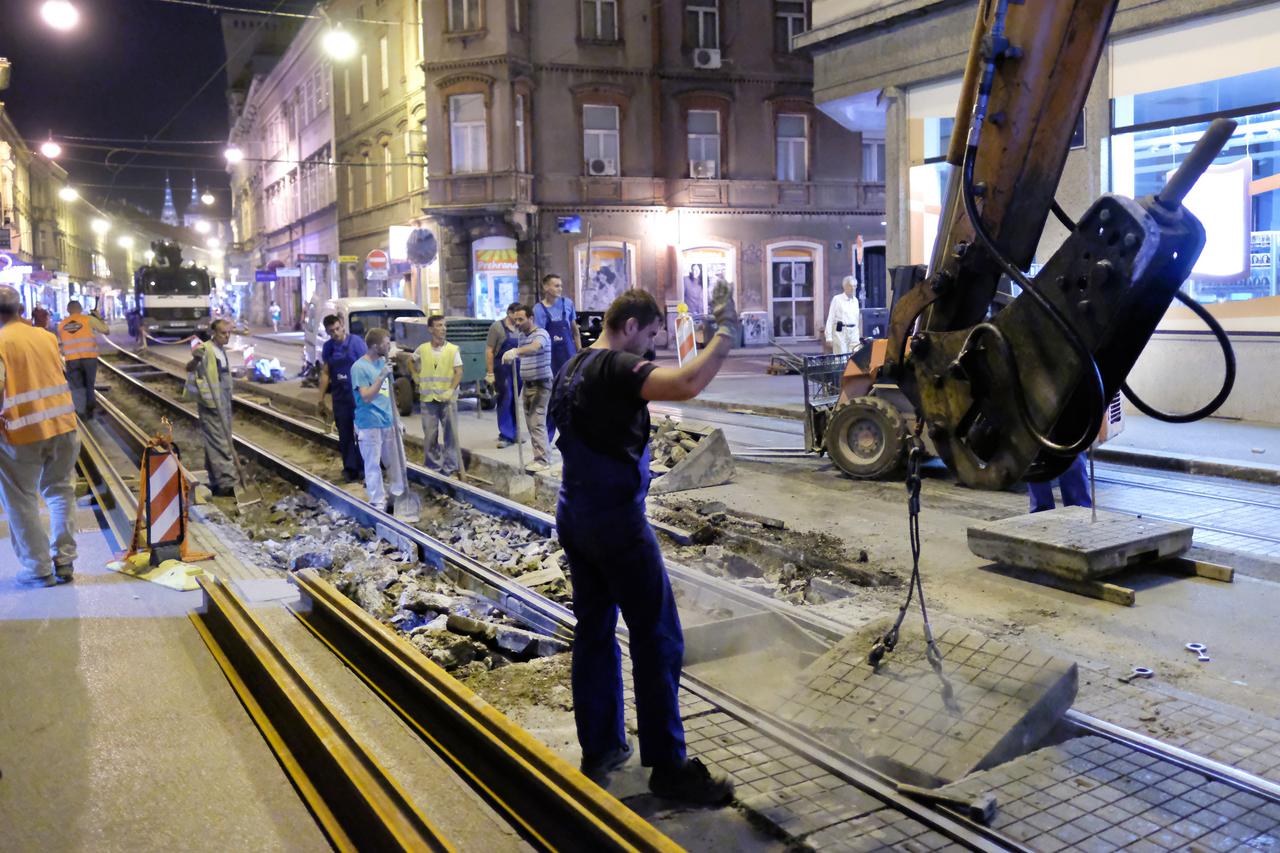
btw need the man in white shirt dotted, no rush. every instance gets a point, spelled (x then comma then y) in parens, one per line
(844, 319)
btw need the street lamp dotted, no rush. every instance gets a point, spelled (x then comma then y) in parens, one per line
(233, 154)
(213, 243)
(125, 241)
(207, 198)
(100, 226)
(68, 194)
(60, 14)
(50, 149)
(202, 227)
(149, 255)
(340, 44)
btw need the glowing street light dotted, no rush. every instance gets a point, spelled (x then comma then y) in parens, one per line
(207, 198)
(68, 194)
(202, 227)
(125, 241)
(50, 149)
(340, 44)
(233, 154)
(100, 226)
(60, 14)
(213, 243)
(149, 255)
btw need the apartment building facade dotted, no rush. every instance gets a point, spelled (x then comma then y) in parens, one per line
(379, 130)
(622, 143)
(284, 210)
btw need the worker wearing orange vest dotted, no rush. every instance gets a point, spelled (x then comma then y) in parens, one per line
(38, 447)
(80, 349)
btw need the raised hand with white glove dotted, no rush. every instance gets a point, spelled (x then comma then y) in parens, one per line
(725, 312)
(509, 356)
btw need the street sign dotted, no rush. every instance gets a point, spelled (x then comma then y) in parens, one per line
(313, 259)
(377, 260)
(288, 272)
(348, 259)
(264, 275)
(375, 275)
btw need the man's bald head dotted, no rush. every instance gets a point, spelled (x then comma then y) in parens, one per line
(10, 302)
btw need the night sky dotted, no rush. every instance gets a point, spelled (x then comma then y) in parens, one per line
(123, 73)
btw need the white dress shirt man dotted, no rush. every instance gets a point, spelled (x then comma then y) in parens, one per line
(844, 319)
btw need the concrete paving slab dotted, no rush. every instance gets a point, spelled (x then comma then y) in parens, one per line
(1004, 700)
(1070, 543)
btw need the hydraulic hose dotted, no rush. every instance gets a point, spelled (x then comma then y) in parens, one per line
(1228, 381)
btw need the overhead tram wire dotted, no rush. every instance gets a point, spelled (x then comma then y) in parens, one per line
(231, 55)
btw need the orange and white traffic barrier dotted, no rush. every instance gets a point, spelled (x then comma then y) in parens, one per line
(686, 344)
(161, 524)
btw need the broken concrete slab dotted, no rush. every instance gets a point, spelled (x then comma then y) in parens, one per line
(1069, 543)
(1004, 700)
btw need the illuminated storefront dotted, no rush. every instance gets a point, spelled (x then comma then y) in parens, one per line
(494, 279)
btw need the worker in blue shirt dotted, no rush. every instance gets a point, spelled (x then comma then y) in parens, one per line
(336, 357)
(601, 403)
(556, 314)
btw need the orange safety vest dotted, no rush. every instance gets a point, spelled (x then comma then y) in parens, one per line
(76, 336)
(37, 402)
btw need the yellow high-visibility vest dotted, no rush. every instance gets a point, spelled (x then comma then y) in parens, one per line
(435, 372)
(76, 336)
(37, 401)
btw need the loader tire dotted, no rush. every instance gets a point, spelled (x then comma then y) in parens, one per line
(866, 438)
(404, 396)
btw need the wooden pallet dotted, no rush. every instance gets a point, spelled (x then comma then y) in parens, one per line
(1114, 592)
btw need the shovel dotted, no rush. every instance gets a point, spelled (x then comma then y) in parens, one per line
(522, 430)
(405, 506)
(245, 495)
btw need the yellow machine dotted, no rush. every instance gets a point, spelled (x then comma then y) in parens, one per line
(1002, 392)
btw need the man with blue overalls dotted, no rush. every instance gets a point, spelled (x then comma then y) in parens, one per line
(556, 314)
(503, 336)
(336, 357)
(601, 403)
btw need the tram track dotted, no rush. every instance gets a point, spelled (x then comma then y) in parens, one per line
(524, 604)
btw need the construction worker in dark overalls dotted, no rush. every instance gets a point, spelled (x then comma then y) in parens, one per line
(503, 336)
(556, 314)
(336, 357)
(600, 400)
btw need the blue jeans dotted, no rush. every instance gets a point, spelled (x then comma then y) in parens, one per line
(1074, 483)
(441, 454)
(615, 563)
(344, 417)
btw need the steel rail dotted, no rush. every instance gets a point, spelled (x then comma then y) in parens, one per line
(552, 801)
(112, 495)
(356, 803)
(530, 607)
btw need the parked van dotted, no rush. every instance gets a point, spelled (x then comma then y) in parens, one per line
(362, 313)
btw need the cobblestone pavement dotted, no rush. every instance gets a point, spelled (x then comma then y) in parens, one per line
(1091, 794)
(1230, 735)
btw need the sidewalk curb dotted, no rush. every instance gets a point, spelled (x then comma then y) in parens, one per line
(1164, 460)
(750, 409)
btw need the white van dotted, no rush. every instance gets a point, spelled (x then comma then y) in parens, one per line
(362, 313)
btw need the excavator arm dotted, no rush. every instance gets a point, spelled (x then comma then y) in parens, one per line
(1021, 393)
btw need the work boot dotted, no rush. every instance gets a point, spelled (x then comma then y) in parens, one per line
(64, 573)
(35, 581)
(692, 783)
(597, 767)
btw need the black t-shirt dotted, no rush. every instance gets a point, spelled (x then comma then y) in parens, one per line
(607, 413)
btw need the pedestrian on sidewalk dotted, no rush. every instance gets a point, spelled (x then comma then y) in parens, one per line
(844, 319)
(601, 403)
(438, 365)
(534, 353)
(76, 334)
(556, 314)
(209, 381)
(38, 448)
(375, 425)
(503, 336)
(274, 311)
(40, 319)
(336, 357)
(1073, 483)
